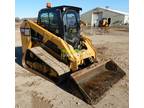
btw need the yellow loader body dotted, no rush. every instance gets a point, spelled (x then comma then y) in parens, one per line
(76, 57)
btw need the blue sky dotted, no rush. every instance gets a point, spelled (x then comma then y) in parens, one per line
(30, 8)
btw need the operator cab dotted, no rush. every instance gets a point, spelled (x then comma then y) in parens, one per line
(63, 21)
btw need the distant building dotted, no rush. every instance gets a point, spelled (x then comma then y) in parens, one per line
(93, 16)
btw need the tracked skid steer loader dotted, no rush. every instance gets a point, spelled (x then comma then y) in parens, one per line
(54, 47)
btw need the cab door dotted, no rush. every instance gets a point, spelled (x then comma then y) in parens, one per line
(71, 28)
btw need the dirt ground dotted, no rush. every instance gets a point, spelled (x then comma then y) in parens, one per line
(33, 91)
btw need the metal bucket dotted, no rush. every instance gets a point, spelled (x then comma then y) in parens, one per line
(94, 81)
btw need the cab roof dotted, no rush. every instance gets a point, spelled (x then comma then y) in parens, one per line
(61, 8)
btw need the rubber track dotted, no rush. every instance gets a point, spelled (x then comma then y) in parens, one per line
(58, 66)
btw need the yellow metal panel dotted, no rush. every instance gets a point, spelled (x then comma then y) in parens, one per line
(76, 58)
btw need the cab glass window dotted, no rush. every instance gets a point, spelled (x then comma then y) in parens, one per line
(44, 18)
(71, 19)
(53, 18)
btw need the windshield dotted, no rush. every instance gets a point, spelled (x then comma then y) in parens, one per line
(71, 28)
